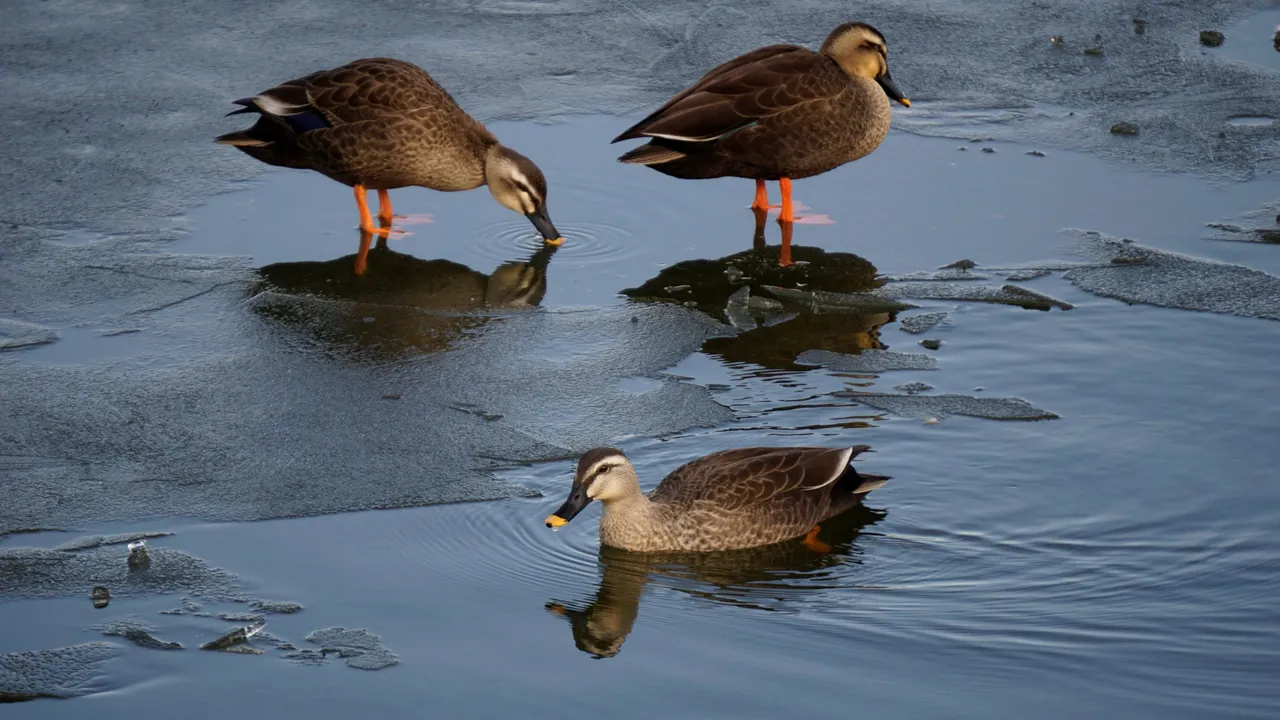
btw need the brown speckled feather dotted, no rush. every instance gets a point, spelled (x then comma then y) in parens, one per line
(780, 111)
(741, 498)
(379, 122)
(739, 480)
(711, 89)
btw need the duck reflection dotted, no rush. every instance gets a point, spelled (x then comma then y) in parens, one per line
(395, 304)
(773, 332)
(760, 578)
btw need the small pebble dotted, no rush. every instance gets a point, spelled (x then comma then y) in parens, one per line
(979, 389)
(635, 319)
(100, 596)
(1139, 26)
(690, 304)
(930, 344)
(988, 150)
(1057, 40)
(391, 396)
(1124, 128)
(1035, 153)
(962, 148)
(676, 288)
(1212, 38)
(1096, 50)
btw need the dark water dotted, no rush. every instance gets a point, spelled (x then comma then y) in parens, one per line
(1118, 561)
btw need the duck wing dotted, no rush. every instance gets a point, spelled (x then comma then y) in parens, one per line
(367, 89)
(748, 478)
(742, 92)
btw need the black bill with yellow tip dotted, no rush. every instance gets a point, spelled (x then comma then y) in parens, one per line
(542, 221)
(577, 500)
(891, 89)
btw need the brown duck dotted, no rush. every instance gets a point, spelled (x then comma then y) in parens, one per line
(781, 112)
(724, 501)
(381, 124)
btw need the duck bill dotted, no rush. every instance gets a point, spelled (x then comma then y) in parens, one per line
(577, 500)
(543, 223)
(891, 89)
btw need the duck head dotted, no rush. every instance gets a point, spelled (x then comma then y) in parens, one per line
(518, 184)
(603, 474)
(861, 52)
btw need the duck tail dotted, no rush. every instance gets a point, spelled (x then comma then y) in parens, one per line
(860, 483)
(269, 140)
(241, 138)
(651, 154)
(869, 482)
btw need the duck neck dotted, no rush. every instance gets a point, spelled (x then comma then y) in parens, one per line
(626, 520)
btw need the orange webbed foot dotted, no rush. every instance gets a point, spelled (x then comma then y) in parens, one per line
(812, 542)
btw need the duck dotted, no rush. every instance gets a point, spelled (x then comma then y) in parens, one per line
(781, 112)
(382, 124)
(728, 500)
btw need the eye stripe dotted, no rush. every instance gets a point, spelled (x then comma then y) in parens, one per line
(526, 190)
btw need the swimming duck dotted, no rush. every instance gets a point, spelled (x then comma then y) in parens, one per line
(381, 124)
(727, 500)
(781, 112)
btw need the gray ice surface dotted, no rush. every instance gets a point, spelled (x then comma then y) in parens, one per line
(868, 361)
(1140, 274)
(56, 673)
(938, 406)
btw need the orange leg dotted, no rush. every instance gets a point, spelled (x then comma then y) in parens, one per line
(786, 216)
(384, 208)
(761, 201)
(362, 257)
(366, 220)
(762, 197)
(812, 542)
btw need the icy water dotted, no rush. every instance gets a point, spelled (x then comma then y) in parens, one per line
(1116, 559)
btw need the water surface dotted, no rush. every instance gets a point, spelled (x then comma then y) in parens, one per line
(1118, 561)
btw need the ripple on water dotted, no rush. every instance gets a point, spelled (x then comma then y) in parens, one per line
(594, 234)
(495, 545)
(584, 242)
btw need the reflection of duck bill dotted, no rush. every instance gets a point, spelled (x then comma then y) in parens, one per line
(520, 283)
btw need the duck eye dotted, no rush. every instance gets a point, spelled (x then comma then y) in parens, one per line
(603, 469)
